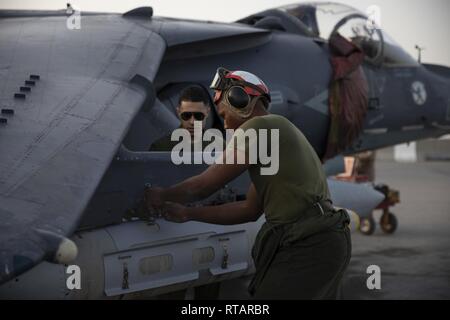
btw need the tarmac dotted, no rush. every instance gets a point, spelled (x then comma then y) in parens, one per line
(414, 261)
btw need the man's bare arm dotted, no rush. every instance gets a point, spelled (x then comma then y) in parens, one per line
(230, 213)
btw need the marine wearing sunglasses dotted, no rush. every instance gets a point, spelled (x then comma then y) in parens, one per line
(198, 116)
(193, 105)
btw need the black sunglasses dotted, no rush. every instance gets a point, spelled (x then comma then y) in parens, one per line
(188, 115)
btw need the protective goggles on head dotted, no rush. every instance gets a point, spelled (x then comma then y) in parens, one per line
(237, 90)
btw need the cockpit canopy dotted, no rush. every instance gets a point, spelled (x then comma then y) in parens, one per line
(323, 19)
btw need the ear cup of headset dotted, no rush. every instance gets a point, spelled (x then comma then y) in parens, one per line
(237, 97)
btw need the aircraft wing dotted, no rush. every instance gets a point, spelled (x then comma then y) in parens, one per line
(67, 99)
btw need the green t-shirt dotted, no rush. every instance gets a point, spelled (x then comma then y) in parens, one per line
(300, 180)
(163, 144)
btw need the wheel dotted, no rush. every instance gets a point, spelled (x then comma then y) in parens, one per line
(367, 226)
(388, 224)
(355, 221)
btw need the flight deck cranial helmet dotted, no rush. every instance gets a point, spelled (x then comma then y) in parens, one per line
(240, 89)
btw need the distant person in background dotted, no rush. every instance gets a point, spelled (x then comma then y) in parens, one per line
(365, 165)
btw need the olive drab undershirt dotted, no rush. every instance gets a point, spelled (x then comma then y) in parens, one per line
(300, 180)
(290, 199)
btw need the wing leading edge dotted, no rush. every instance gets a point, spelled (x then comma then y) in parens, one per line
(66, 128)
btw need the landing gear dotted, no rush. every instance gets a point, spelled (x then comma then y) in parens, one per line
(388, 222)
(359, 169)
(367, 225)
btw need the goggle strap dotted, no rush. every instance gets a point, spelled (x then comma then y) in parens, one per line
(221, 83)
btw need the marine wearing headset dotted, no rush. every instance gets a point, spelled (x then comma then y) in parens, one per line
(303, 248)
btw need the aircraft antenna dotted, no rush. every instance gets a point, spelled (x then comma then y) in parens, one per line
(419, 49)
